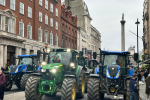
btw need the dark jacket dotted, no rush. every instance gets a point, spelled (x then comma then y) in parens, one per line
(2, 79)
(147, 81)
(133, 86)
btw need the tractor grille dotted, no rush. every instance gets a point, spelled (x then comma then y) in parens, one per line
(111, 71)
(47, 75)
(13, 68)
(46, 88)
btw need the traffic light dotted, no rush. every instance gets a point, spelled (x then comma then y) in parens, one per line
(136, 56)
(94, 55)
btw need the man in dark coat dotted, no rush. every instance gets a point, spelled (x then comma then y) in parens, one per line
(133, 88)
(2, 85)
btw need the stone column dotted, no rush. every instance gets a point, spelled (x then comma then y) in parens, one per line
(19, 51)
(16, 52)
(27, 51)
(1, 55)
(3, 23)
(5, 55)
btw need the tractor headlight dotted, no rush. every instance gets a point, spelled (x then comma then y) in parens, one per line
(48, 50)
(72, 64)
(43, 63)
(107, 74)
(118, 74)
(16, 70)
(53, 70)
(43, 70)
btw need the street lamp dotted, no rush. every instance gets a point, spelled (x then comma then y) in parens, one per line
(137, 38)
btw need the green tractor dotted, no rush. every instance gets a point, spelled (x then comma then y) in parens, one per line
(59, 73)
(89, 65)
(112, 76)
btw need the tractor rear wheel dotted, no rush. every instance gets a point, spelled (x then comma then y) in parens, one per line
(68, 90)
(23, 81)
(93, 89)
(31, 89)
(126, 96)
(8, 83)
(81, 92)
(86, 82)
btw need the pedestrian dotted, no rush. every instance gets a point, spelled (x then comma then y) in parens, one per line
(133, 91)
(142, 75)
(131, 71)
(139, 76)
(147, 81)
(146, 74)
(2, 85)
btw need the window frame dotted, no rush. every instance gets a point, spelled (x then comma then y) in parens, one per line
(56, 40)
(51, 37)
(41, 3)
(51, 22)
(46, 38)
(21, 8)
(19, 28)
(30, 33)
(41, 16)
(46, 18)
(46, 4)
(41, 35)
(7, 24)
(29, 8)
(4, 2)
(56, 12)
(51, 8)
(0, 22)
(14, 3)
(56, 25)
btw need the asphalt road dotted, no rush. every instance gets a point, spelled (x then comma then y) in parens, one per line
(58, 96)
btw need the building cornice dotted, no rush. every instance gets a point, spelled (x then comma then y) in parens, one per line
(69, 22)
(88, 16)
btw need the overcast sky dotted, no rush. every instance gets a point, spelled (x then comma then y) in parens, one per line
(107, 14)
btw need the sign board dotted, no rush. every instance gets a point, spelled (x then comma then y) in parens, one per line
(89, 52)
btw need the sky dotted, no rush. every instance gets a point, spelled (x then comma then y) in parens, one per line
(107, 14)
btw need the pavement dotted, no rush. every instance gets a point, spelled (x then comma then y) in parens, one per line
(142, 94)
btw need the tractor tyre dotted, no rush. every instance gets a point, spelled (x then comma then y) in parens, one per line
(93, 89)
(86, 82)
(31, 89)
(18, 84)
(53, 95)
(8, 83)
(126, 96)
(23, 81)
(68, 90)
(81, 92)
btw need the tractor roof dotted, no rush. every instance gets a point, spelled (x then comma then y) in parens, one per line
(115, 52)
(33, 55)
(63, 49)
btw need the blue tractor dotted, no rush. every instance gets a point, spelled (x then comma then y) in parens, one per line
(20, 72)
(112, 76)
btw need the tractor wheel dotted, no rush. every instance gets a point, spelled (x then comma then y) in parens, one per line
(31, 89)
(8, 83)
(68, 90)
(93, 89)
(126, 96)
(23, 81)
(81, 92)
(86, 82)
(53, 95)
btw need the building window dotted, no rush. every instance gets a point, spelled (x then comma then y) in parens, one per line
(46, 4)
(66, 43)
(46, 36)
(51, 7)
(51, 38)
(7, 24)
(56, 26)
(2, 2)
(40, 35)
(40, 2)
(29, 31)
(21, 8)
(12, 4)
(56, 12)
(62, 27)
(66, 29)
(29, 12)
(63, 42)
(69, 30)
(40, 16)
(51, 22)
(46, 19)
(56, 40)
(21, 29)
(0, 22)
(72, 32)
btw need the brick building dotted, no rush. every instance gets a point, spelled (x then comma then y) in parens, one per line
(69, 28)
(27, 25)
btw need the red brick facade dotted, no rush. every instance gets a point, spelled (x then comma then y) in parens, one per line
(68, 28)
(34, 21)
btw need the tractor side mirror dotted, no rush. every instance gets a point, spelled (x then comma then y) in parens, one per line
(94, 55)
(136, 56)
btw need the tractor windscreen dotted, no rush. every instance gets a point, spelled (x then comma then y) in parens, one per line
(114, 60)
(26, 61)
(60, 57)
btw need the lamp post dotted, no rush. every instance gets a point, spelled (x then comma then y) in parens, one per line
(137, 39)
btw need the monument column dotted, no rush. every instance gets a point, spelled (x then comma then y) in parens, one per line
(123, 33)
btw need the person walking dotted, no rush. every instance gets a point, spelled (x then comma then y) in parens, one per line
(131, 71)
(133, 91)
(2, 84)
(147, 81)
